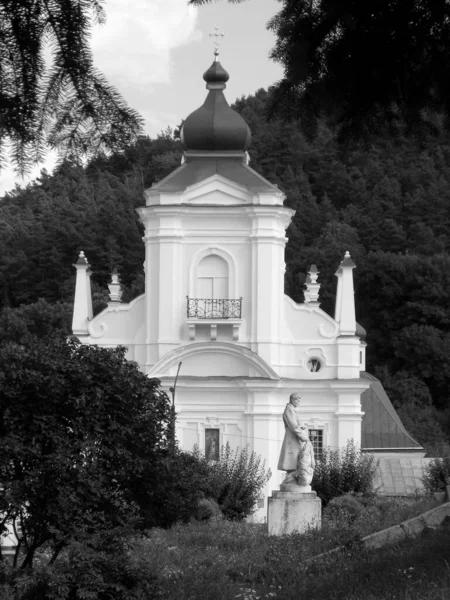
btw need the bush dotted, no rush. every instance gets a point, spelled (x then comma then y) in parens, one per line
(189, 486)
(343, 509)
(423, 423)
(344, 471)
(176, 493)
(208, 509)
(235, 481)
(437, 475)
(101, 567)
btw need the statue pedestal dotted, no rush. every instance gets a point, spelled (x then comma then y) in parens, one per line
(293, 510)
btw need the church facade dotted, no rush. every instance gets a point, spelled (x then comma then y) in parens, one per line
(214, 309)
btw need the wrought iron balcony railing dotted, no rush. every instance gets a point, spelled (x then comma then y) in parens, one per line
(214, 308)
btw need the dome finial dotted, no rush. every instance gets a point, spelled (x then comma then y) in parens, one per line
(215, 126)
(215, 36)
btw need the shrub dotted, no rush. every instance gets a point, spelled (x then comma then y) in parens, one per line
(437, 475)
(235, 481)
(437, 449)
(208, 509)
(176, 494)
(100, 567)
(343, 509)
(344, 471)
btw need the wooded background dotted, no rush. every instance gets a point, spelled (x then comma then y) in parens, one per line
(387, 202)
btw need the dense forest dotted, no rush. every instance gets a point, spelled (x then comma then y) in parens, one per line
(386, 202)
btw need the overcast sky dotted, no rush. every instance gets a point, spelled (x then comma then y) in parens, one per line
(155, 52)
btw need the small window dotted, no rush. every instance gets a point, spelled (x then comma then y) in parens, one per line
(316, 437)
(360, 357)
(212, 441)
(314, 365)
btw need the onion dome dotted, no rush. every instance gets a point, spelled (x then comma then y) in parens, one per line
(215, 126)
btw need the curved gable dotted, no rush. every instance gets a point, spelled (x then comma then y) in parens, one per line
(119, 322)
(210, 359)
(302, 321)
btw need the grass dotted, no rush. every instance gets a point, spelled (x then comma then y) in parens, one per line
(222, 560)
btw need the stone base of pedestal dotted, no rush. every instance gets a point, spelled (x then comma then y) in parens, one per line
(293, 511)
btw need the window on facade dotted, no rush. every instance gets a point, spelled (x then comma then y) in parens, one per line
(212, 441)
(314, 365)
(316, 437)
(212, 277)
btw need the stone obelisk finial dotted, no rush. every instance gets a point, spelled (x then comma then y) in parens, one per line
(82, 306)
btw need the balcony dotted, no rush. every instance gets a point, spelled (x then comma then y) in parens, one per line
(213, 312)
(214, 308)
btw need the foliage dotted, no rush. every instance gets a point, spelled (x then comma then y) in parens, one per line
(44, 226)
(344, 508)
(224, 559)
(412, 329)
(40, 320)
(437, 475)
(192, 487)
(208, 509)
(176, 494)
(371, 67)
(234, 481)
(423, 423)
(102, 567)
(50, 91)
(80, 428)
(343, 471)
(229, 559)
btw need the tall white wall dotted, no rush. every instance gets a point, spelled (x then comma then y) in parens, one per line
(251, 238)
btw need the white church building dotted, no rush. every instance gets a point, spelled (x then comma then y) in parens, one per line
(214, 301)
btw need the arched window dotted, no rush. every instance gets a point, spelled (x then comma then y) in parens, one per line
(212, 277)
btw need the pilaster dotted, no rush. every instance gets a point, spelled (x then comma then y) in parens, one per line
(348, 410)
(348, 362)
(268, 240)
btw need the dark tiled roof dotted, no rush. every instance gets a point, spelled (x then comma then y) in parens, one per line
(381, 425)
(196, 170)
(360, 331)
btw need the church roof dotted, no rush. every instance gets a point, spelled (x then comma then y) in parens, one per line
(215, 126)
(197, 169)
(360, 331)
(382, 428)
(215, 139)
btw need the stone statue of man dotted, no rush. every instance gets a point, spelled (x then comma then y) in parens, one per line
(297, 453)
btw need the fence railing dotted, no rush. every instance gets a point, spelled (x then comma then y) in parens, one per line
(214, 308)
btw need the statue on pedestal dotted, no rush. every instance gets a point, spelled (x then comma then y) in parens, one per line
(297, 453)
(295, 507)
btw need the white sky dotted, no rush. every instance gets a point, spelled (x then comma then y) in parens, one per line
(155, 52)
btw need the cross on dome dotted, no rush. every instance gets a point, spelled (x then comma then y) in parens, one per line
(215, 37)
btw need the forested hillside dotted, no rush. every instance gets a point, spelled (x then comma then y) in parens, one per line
(388, 204)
